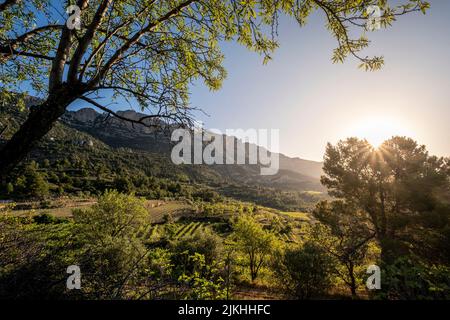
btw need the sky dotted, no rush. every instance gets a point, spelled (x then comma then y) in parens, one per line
(313, 101)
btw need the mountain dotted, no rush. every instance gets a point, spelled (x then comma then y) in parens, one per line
(301, 166)
(118, 133)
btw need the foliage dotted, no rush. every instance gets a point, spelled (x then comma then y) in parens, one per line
(115, 259)
(205, 281)
(398, 194)
(34, 258)
(398, 188)
(205, 243)
(408, 278)
(115, 215)
(254, 242)
(346, 240)
(305, 271)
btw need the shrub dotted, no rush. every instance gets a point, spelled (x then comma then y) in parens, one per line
(45, 218)
(408, 278)
(206, 243)
(115, 215)
(305, 272)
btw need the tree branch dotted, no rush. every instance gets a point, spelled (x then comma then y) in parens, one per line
(135, 39)
(140, 121)
(6, 4)
(3, 130)
(62, 53)
(8, 51)
(107, 37)
(86, 40)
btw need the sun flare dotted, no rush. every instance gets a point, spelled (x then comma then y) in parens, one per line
(376, 130)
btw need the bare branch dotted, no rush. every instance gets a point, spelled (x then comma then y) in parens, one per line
(140, 121)
(3, 130)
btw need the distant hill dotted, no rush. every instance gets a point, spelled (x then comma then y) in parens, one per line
(294, 172)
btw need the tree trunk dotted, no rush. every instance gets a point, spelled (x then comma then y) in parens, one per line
(388, 253)
(39, 122)
(351, 272)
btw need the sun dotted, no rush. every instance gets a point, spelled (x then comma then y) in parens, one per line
(376, 130)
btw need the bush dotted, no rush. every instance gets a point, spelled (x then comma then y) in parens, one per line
(410, 279)
(9, 188)
(305, 272)
(167, 218)
(208, 244)
(45, 218)
(34, 258)
(115, 215)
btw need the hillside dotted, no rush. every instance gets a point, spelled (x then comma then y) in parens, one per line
(294, 173)
(89, 152)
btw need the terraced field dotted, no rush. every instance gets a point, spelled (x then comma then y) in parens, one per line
(157, 209)
(182, 230)
(150, 232)
(190, 229)
(63, 208)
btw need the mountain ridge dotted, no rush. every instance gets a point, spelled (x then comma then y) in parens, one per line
(87, 119)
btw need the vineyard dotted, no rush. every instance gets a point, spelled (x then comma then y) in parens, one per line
(288, 237)
(186, 230)
(181, 231)
(158, 209)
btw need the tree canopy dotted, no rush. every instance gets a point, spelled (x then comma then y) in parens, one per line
(398, 190)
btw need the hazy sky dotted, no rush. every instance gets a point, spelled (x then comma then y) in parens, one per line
(313, 101)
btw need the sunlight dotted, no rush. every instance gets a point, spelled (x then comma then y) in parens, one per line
(376, 130)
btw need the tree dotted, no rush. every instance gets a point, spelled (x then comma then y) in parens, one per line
(398, 188)
(113, 256)
(146, 50)
(9, 188)
(36, 185)
(206, 243)
(254, 242)
(123, 184)
(205, 282)
(342, 235)
(305, 271)
(115, 215)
